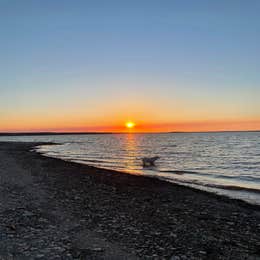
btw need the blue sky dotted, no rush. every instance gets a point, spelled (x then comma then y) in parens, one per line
(197, 59)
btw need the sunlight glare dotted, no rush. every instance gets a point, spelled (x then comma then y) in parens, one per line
(130, 124)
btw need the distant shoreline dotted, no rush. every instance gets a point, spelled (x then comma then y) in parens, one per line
(105, 133)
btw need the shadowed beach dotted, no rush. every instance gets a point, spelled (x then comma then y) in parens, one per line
(54, 209)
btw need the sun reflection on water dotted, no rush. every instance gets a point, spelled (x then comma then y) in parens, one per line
(131, 152)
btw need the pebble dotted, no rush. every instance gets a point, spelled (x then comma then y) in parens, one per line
(39, 256)
(175, 258)
(27, 213)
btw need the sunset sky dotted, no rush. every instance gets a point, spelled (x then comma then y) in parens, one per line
(165, 65)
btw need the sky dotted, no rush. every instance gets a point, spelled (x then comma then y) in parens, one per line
(166, 65)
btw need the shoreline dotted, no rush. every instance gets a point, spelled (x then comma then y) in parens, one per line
(241, 201)
(88, 211)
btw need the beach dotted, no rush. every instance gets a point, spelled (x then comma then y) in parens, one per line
(53, 209)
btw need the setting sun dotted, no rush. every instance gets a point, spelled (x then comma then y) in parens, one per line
(130, 124)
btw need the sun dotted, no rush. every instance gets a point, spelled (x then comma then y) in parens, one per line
(130, 124)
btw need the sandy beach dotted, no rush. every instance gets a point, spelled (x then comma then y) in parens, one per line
(53, 209)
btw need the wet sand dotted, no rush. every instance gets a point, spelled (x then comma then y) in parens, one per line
(53, 209)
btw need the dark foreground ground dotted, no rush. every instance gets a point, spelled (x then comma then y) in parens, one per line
(52, 209)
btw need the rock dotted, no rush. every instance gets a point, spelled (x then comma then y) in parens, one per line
(173, 235)
(230, 223)
(39, 256)
(43, 220)
(27, 213)
(175, 258)
(97, 249)
(12, 227)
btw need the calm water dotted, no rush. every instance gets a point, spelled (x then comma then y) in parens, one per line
(225, 163)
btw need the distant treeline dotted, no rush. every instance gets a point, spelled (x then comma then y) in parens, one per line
(53, 133)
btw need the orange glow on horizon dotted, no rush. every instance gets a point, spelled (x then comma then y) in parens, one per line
(139, 126)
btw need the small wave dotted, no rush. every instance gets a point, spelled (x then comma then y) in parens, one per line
(215, 186)
(246, 163)
(179, 172)
(89, 160)
(233, 187)
(215, 176)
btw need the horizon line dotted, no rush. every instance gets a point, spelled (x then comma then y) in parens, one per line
(132, 132)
